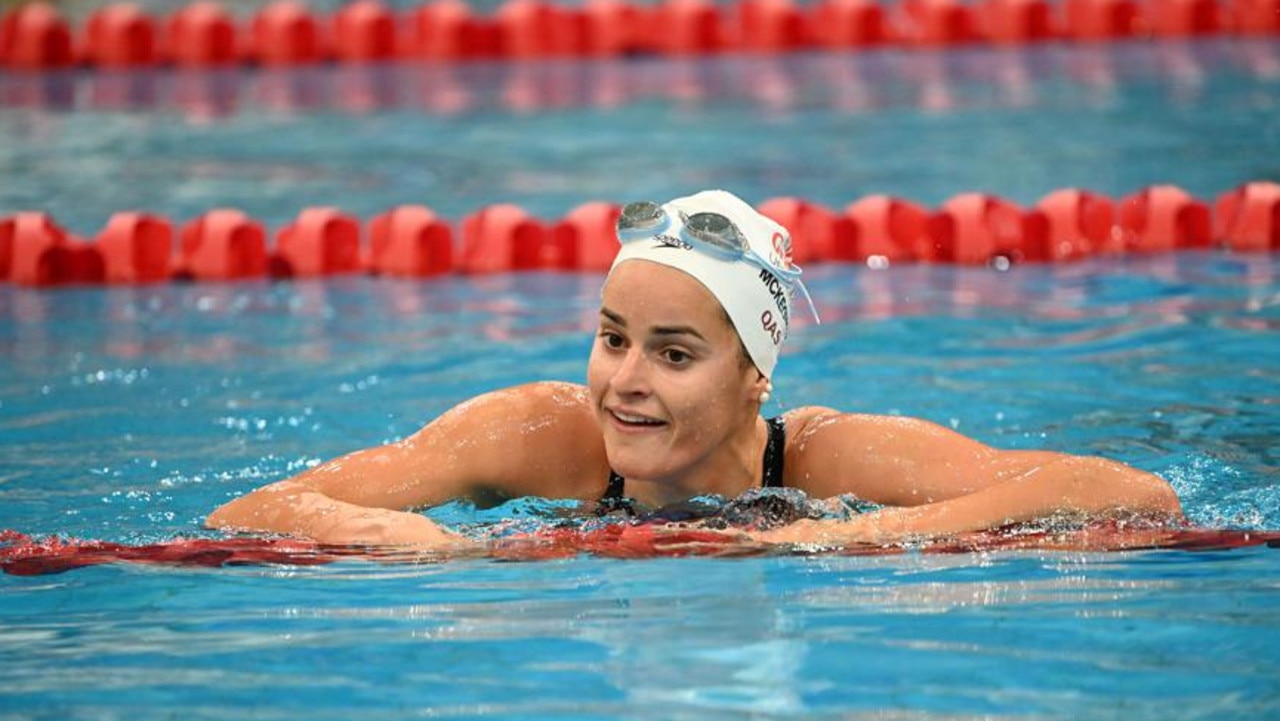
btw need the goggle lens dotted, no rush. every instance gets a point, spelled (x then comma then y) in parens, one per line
(641, 215)
(716, 230)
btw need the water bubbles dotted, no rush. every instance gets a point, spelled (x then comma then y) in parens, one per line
(112, 376)
(360, 385)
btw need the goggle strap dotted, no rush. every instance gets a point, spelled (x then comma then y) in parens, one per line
(808, 300)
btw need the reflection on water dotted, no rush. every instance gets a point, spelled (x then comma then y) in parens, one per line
(1030, 635)
(849, 82)
(830, 128)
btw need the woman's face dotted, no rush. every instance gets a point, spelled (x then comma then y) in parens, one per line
(667, 374)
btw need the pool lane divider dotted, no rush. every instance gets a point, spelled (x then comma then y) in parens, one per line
(413, 241)
(35, 36)
(25, 555)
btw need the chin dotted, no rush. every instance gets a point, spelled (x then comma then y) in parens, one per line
(631, 461)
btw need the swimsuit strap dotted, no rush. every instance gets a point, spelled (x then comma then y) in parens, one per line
(774, 456)
(613, 500)
(775, 453)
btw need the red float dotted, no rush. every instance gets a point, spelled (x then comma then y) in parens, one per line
(817, 232)
(410, 241)
(1180, 18)
(38, 252)
(770, 26)
(591, 230)
(891, 229)
(35, 37)
(1254, 17)
(447, 30)
(612, 27)
(1100, 19)
(1014, 21)
(364, 31)
(848, 23)
(201, 34)
(1081, 224)
(501, 238)
(322, 241)
(223, 244)
(1248, 218)
(285, 33)
(136, 248)
(1164, 217)
(120, 36)
(689, 27)
(939, 22)
(536, 29)
(976, 228)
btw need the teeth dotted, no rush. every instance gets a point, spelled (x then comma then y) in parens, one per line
(634, 419)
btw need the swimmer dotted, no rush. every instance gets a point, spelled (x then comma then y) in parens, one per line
(692, 317)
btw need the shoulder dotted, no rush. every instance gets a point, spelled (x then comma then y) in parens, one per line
(534, 439)
(517, 406)
(830, 452)
(814, 422)
(555, 398)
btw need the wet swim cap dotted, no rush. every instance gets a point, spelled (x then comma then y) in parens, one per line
(756, 297)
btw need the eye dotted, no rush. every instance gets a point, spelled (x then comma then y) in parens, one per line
(611, 339)
(675, 356)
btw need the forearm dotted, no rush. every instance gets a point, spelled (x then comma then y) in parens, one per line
(1087, 486)
(295, 509)
(1067, 485)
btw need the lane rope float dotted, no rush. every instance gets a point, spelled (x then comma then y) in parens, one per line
(970, 228)
(35, 36)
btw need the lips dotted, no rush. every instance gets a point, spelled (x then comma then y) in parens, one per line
(634, 421)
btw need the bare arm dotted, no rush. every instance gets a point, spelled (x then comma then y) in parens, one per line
(511, 441)
(940, 482)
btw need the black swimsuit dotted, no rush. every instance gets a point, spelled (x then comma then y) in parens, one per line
(774, 455)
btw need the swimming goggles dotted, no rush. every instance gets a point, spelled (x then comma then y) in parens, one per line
(710, 233)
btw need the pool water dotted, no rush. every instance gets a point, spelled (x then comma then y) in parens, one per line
(830, 128)
(128, 413)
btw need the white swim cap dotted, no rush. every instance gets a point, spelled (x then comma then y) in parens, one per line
(745, 263)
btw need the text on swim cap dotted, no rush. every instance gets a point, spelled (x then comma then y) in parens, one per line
(770, 326)
(670, 241)
(778, 292)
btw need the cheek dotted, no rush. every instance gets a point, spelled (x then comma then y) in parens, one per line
(710, 398)
(601, 367)
(596, 373)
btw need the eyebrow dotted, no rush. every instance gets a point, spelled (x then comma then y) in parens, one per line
(618, 320)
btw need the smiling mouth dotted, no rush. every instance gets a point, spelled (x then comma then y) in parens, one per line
(634, 421)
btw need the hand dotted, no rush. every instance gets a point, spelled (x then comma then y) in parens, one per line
(382, 527)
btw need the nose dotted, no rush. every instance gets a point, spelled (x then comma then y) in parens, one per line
(631, 376)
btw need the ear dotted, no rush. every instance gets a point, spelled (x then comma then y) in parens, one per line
(762, 389)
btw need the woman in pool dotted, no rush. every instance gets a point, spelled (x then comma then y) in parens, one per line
(692, 317)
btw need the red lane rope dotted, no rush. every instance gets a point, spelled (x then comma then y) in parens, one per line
(35, 36)
(412, 241)
(23, 555)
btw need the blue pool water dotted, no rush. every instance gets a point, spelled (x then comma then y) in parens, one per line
(127, 413)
